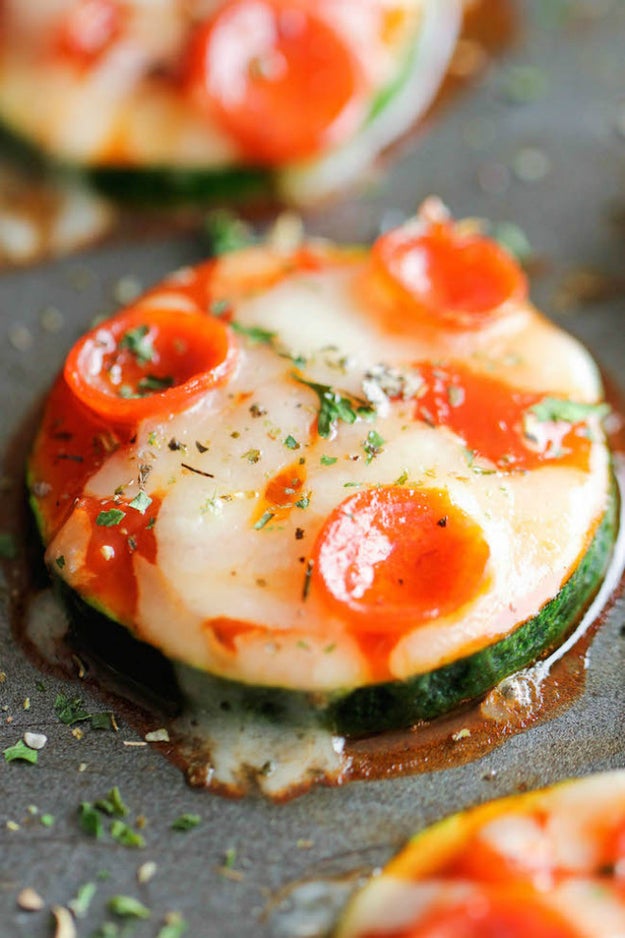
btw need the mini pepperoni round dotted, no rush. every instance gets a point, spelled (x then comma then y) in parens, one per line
(277, 77)
(89, 29)
(452, 279)
(149, 362)
(390, 558)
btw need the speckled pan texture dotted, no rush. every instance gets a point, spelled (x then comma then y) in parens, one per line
(539, 142)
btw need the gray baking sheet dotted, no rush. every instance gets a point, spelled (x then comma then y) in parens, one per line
(540, 142)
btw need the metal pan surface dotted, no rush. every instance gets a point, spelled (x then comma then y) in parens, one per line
(540, 143)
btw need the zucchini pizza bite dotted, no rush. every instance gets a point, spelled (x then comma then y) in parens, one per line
(220, 97)
(550, 864)
(376, 478)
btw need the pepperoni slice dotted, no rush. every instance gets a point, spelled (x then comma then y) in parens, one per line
(390, 558)
(455, 280)
(146, 362)
(278, 78)
(491, 417)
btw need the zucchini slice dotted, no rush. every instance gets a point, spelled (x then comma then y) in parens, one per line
(296, 468)
(196, 167)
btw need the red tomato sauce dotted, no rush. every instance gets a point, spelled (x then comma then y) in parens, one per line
(453, 396)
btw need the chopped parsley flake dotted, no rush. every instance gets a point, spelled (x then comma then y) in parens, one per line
(60, 561)
(8, 548)
(84, 897)
(70, 710)
(328, 460)
(102, 721)
(256, 334)
(128, 907)
(20, 752)
(402, 479)
(291, 442)
(226, 232)
(90, 820)
(303, 502)
(252, 455)
(150, 384)
(110, 518)
(123, 834)
(264, 520)
(336, 405)
(230, 858)
(141, 502)
(373, 445)
(186, 822)
(139, 343)
(553, 408)
(113, 804)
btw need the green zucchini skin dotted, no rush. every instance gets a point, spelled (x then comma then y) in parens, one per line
(150, 186)
(426, 696)
(161, 186)
(378, 707)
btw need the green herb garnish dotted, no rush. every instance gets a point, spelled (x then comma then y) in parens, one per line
(230, 858)
(20, 751)
(90, 819)
(554, 408)
(139, 343)
(264, 520)
(141, 502)
(110, 518)
(70, 710)
(186, 822)
(226, 232)
(336, 405)
(112, 804)
(256, 334)
(291, 443)
(128, 907)
(150, 384)
(373, 445)
(328, 460)
(84, 897)
(123, 834)
(102, 721)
